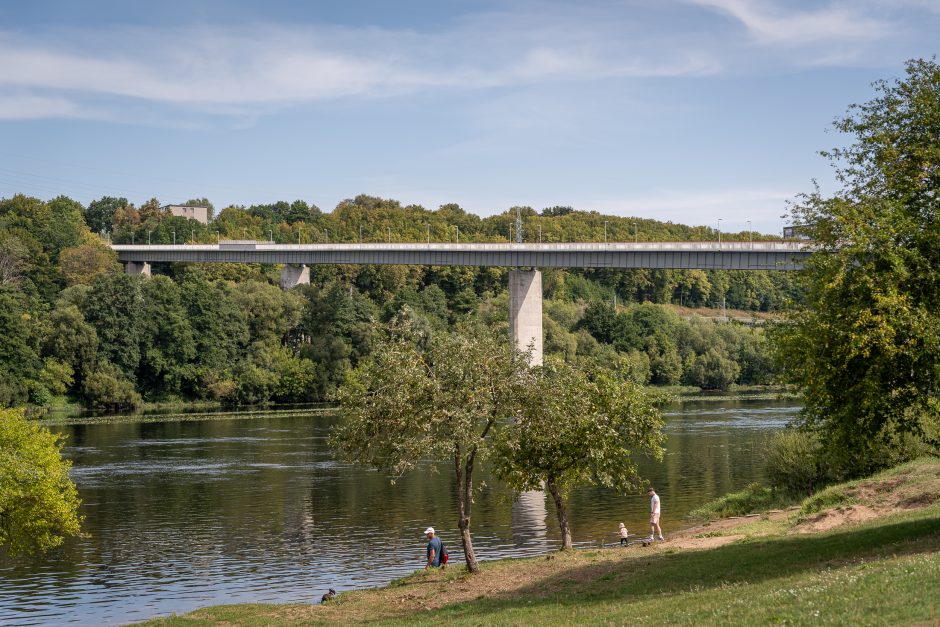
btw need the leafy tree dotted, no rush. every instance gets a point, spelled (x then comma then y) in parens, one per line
(113, 308)
(38, 501)
(81, 264)
(108, 388)
(19, 359)
(406, 405)
(14, 262)
(167, 345)
(68, 338)
(865, 348)
(578, 427)
(151, 210)
(100, 213)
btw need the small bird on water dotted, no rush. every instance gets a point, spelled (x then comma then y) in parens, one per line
(329, 595)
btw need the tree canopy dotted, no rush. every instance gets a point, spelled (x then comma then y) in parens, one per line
(866, 347)
(439, 399)
(38, 501)
(578, 427)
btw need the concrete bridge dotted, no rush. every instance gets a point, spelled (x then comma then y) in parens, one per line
(525, 281)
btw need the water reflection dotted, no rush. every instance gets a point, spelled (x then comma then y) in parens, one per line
(186, 514)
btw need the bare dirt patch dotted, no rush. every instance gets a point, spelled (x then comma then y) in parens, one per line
(832, 518)
(920, 500)
(707, 542)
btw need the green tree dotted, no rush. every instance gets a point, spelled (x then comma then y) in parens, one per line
(19, 359)
(578, 427)
(865, 348)
(167, 345)
(113, 308)
(38, 501)
(406, 405)
(100, 213)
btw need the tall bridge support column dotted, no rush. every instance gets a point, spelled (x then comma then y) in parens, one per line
(137, 267)
(525, 312)
(525, 321)
(293, 275)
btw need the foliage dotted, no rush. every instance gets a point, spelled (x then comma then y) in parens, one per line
(794, 464)
(578, 427)
(99, 215)
(81, 264)
(38, 501)
(865, 348)
(226, 332)
(108, 388)
(406, 405)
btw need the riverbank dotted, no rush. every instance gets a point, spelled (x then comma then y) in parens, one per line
(864, 552)
(72, 413)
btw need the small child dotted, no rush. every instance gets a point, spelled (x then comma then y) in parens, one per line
(623, 534)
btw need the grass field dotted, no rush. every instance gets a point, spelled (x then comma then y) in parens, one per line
(863, 553)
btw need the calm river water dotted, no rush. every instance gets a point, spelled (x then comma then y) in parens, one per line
(183, 514)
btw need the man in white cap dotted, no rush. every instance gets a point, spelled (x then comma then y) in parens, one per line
(434, 548)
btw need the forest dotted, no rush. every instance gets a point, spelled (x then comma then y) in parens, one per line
(74, 328)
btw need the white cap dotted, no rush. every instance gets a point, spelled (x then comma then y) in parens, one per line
(429, 530)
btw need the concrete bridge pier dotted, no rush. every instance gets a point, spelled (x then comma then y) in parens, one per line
(525, 312)
(137, 267)
(294, 274)
(525, 320)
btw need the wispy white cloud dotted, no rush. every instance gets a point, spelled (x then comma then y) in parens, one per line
(250, 70)
(244, 71)
(772, 24)
(27, 106)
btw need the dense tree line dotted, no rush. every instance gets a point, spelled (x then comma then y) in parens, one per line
(71, 323)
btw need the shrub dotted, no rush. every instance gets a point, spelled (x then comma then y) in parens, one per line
(106, 388)
(793, 463)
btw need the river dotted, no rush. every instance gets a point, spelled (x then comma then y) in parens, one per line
(181, 514)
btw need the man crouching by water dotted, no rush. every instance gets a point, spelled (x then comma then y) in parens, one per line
(434, 548)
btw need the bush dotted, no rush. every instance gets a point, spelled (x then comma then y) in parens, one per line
(106, 388)
(794, 464)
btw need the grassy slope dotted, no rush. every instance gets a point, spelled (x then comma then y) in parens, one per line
(777, 568)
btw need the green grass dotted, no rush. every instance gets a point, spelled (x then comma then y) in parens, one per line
(754, 498)
(874, 574)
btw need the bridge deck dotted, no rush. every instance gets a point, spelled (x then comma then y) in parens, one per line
(678, 255)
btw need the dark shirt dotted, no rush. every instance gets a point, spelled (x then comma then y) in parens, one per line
(435, 543)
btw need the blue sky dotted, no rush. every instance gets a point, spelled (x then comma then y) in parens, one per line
(681, 110)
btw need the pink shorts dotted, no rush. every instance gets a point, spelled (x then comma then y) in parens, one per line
(654, 519)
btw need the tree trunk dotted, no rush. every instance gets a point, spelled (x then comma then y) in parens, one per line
(464, 502)
(562, 512)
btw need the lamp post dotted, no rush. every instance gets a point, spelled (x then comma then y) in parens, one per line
(457, 226)
(540, 234)
(174, 238)
(192, 236)
(719, 232)
(388, 230)
(510, 234)
(270, 236)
